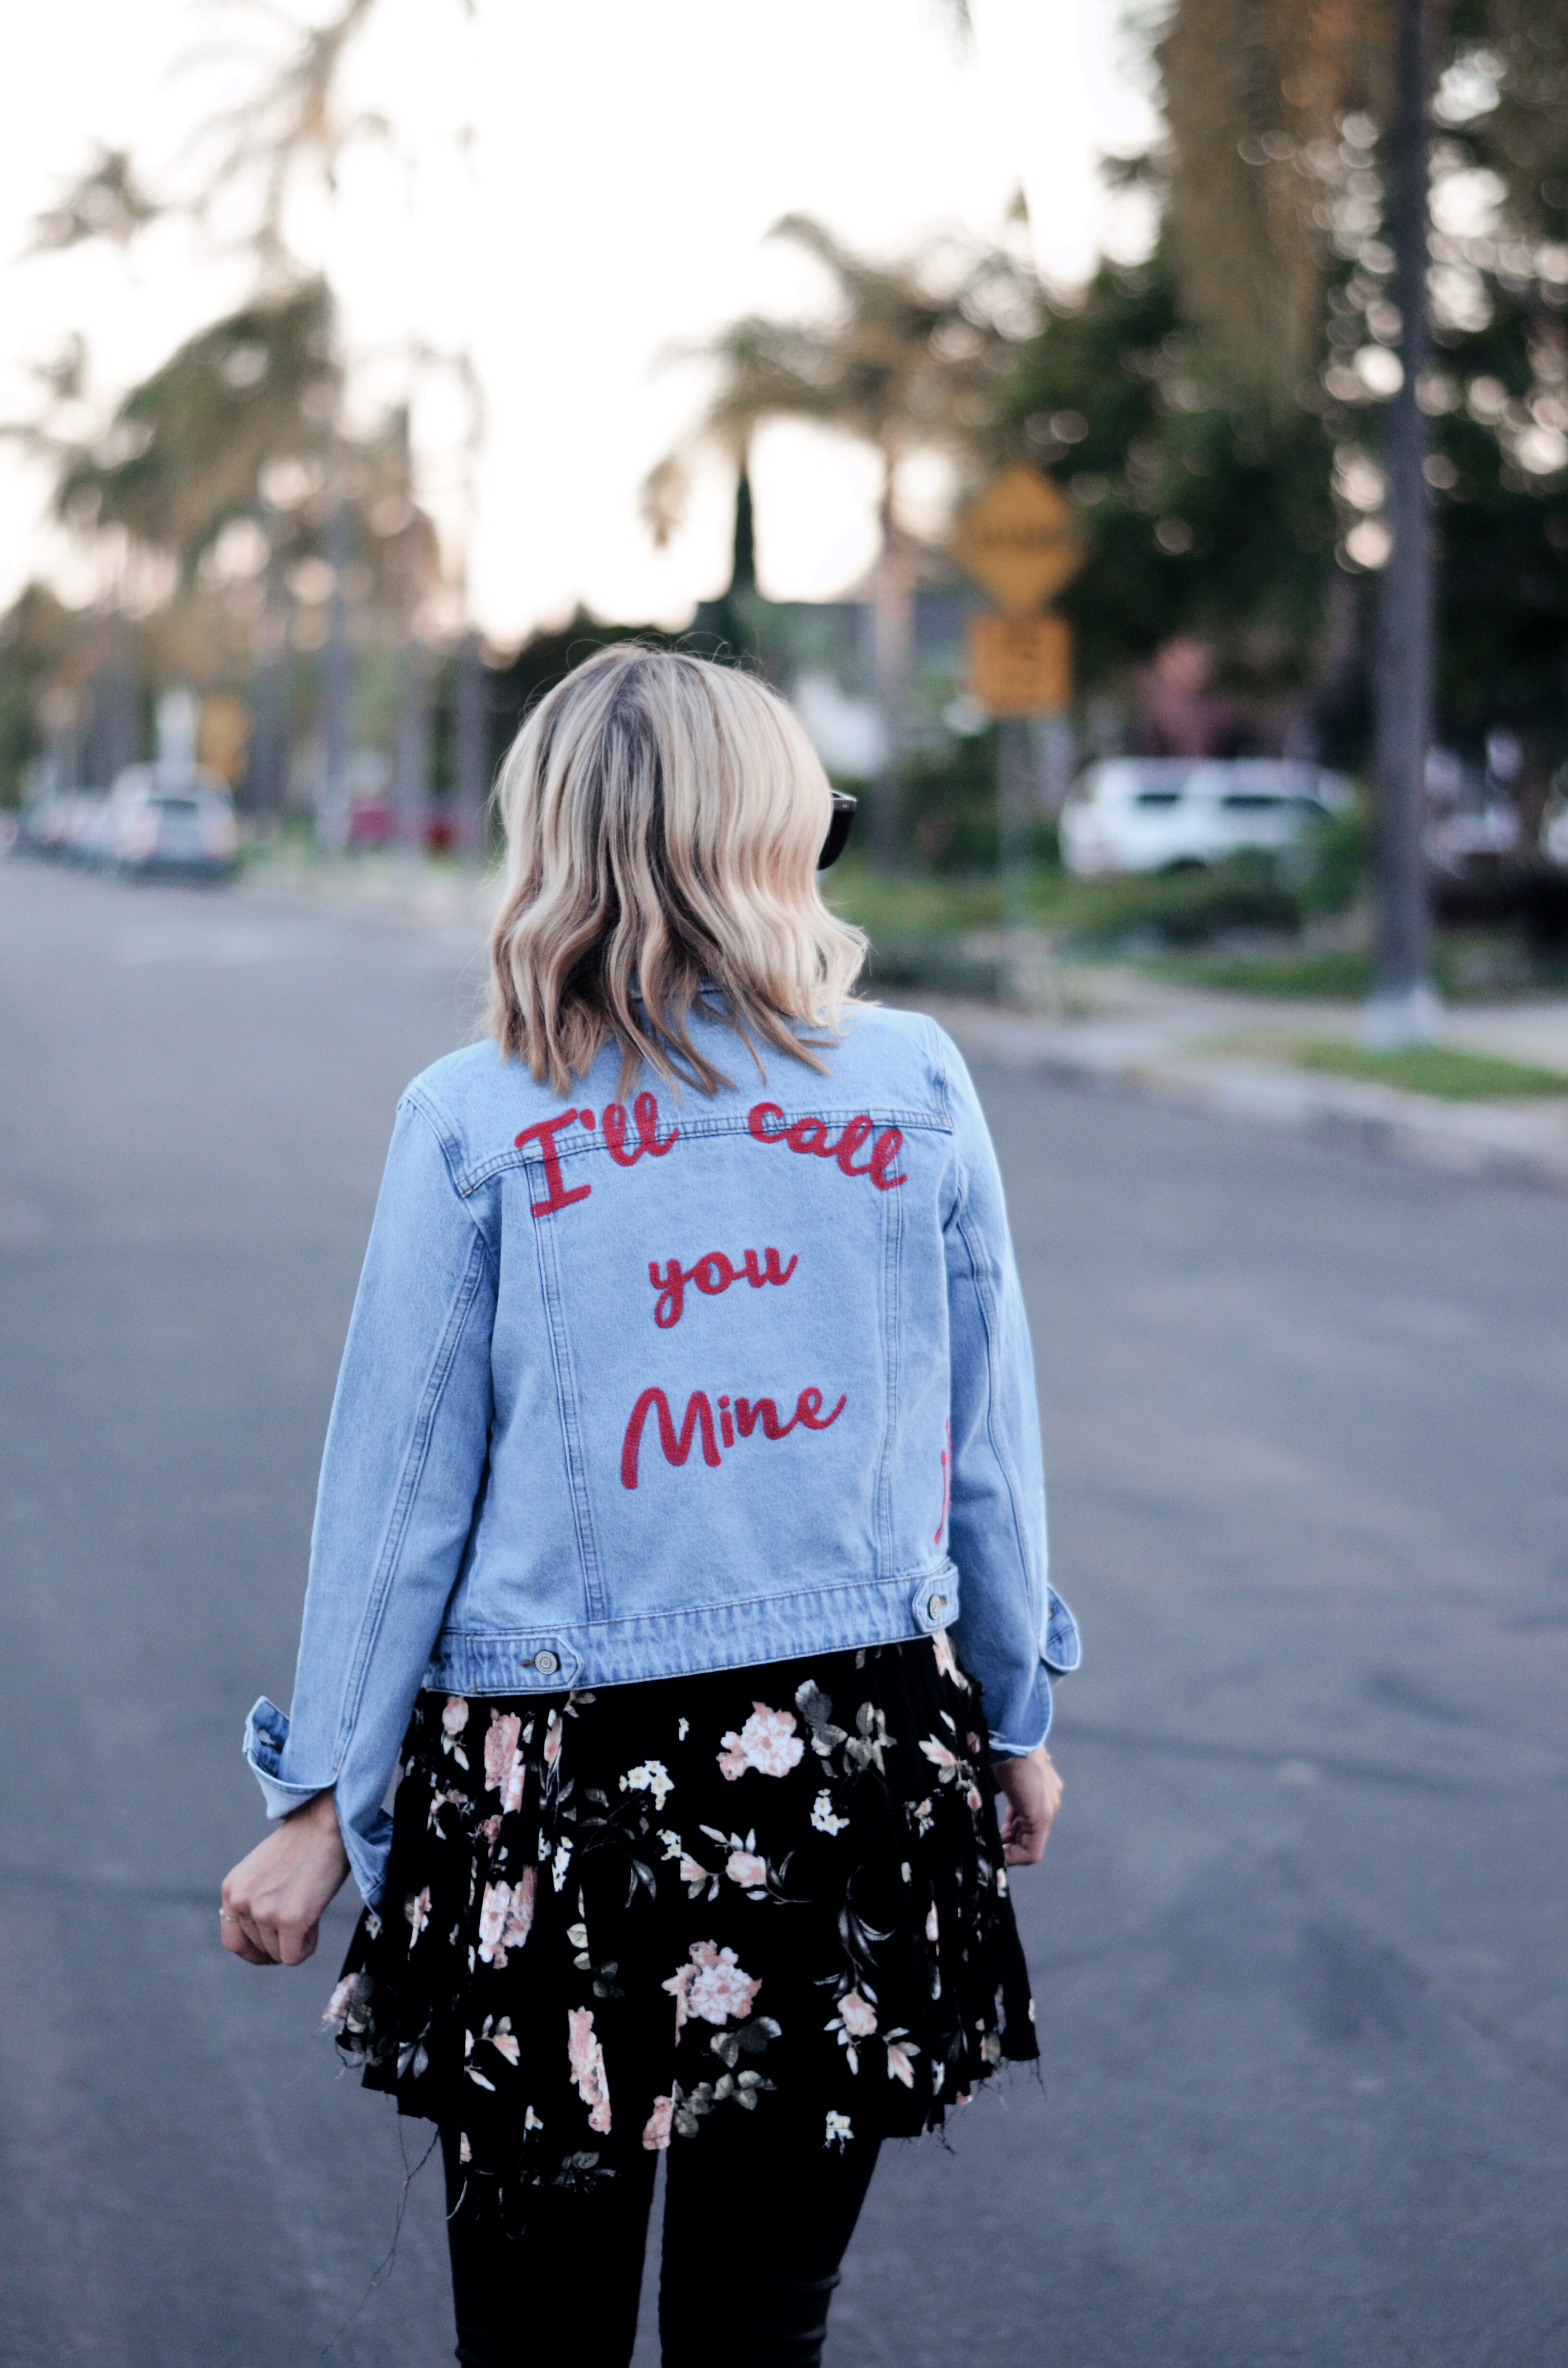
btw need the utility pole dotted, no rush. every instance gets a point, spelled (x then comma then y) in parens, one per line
(1403, 1009)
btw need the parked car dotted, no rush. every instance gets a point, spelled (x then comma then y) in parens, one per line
(64, 823)
(170, 818)
(1167, 813)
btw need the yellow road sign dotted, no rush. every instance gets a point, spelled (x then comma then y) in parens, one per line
(1020, 665)
(1020, 538)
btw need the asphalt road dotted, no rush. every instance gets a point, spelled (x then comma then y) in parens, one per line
(1300, 1943)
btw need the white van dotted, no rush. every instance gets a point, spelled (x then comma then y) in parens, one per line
(1159, 814)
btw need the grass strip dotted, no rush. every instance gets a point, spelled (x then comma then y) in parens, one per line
(1447, 1070)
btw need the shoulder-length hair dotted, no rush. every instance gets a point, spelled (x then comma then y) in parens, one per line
(664, 818)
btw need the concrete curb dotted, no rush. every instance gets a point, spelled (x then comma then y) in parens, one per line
(1522, 1142)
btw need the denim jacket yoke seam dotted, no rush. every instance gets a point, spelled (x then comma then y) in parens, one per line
(469, 1179)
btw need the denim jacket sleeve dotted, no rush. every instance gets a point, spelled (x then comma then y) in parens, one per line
(1013, 1631)
(402, 1468)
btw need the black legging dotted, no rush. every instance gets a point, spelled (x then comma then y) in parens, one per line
(755, 2225)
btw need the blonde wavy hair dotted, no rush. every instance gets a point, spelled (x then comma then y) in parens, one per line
(664, 818)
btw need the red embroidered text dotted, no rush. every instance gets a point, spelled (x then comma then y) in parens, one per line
(544, 1135)
(745, 1416)
(813, 1135)
(710, 1275)
(644, 1118)
(947, 1482)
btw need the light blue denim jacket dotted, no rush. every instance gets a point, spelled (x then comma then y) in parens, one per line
(638, 1391)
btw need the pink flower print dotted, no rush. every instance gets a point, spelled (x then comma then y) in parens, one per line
(454, 1718)
(491, 1829)
(656, 2136)
(493, 1911)
(336, 2012)
(503, 2039)
(859, 2015)
(416, 1907)
(505, 1917)
(712, 1986)
(768, 1742)
(972, 1801)
(689, 1870)
(745, 1868)
(587, 2059)
(899, 2067)
(554, 1735)
(939, 1757)
(465, 2152)
(503, 1763)
(520, 1915)
(931, 1923)
(946, 1661)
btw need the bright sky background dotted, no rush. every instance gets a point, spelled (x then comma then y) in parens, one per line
(626, 164)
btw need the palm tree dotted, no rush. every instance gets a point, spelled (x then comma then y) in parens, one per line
(902, 361)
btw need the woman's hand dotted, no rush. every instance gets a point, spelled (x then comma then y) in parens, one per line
(1033, 1792)
(274, 1899)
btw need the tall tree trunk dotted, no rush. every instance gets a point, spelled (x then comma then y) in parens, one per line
(1403, 1009)
(266, 767)
(411, 751)
(471, 749)
(892, 643)
(332, 812)
(742, 562)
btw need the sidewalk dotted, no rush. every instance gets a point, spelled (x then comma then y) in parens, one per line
(1110, 1025)
(1114, 1027)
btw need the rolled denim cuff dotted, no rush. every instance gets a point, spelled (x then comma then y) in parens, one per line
(1061, 1647)
(1031, 1724)
(267, 1733)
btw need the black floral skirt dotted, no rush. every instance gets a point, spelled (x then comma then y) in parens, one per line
(608, 1916)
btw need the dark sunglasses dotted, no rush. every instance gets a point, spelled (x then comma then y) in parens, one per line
(838, 829)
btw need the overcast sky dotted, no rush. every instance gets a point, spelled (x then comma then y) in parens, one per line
(626, 163)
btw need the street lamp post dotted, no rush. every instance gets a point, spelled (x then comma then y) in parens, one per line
(1403, 1009)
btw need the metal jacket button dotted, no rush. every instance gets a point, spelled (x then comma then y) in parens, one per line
(546, 1664)
(938, 1603)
